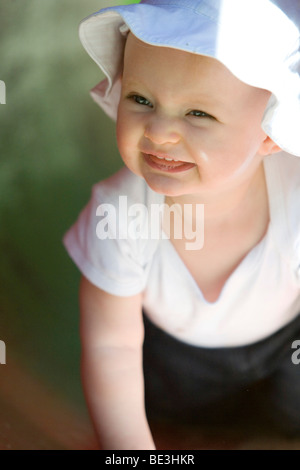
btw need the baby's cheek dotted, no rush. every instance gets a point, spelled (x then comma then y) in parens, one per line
(123, 138)
(126, 130)
(202, 157)
(217, 164)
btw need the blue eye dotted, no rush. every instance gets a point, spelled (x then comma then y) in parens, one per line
(197, 113)
(141, 100)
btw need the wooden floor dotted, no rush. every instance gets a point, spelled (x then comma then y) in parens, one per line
(33, 417)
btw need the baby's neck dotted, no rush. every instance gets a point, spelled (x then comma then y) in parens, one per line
(247, 200)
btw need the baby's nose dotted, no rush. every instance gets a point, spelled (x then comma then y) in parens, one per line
(162, 130)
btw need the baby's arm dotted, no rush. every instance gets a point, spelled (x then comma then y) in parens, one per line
(112, 333)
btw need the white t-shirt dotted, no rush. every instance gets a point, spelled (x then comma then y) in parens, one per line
(260, 296)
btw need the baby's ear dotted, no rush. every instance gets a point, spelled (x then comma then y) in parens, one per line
(268, 147)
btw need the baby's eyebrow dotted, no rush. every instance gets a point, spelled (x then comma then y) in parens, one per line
(132, 83)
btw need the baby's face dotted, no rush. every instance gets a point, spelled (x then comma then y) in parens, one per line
(191, 109)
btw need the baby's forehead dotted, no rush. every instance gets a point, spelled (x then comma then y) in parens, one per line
(137, 50)
(141, 58)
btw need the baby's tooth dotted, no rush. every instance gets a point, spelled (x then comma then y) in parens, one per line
(165, 158)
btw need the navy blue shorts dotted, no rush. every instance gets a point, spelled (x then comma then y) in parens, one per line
(215, 386)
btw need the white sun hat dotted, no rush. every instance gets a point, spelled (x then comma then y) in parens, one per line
(257, 40)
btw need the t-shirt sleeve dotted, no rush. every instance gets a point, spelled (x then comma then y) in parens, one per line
(118, 265)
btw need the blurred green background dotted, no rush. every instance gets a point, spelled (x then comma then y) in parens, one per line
(55, 144)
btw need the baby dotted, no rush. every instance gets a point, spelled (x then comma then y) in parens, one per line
(190, 253)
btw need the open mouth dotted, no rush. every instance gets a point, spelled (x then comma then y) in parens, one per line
(166, 164)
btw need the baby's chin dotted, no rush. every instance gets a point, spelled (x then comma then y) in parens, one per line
(166, 185)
